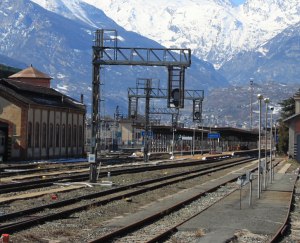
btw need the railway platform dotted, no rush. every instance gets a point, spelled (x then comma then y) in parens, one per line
(234, 216)
(225, 220)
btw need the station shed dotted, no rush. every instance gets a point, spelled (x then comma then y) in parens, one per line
(228, 139)
(233, 139)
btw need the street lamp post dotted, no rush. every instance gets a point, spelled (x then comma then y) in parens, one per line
(259, 97)
(275, 145)
(267, 101)
(173, 141)
(174, 125)
(194, 140)
(202, 136)
(251, 94)
(271, 145)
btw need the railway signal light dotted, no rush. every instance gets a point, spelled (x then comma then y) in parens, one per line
(175, 97)
(197, 110)
(176, 87)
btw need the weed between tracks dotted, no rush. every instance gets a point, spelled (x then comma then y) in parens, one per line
(199, 233)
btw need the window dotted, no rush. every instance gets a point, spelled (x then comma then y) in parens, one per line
(44, 135)
(29, 141)
(51, 135)
(74, 135)
(63, 136)
(57, 135)
(37, 135)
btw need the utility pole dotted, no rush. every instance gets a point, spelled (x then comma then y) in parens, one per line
(148, 89)
(259, 97)
(251, 96)
(267, 101)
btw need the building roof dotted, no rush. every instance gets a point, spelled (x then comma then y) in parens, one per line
(38, 95)
(289, 119)
(30, 72)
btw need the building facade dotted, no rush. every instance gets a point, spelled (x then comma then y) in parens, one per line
(37, 122)
(293, 122)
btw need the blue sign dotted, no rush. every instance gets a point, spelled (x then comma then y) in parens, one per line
(150, 134)
(213, 135)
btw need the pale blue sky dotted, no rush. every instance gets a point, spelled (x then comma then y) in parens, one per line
(238, 1)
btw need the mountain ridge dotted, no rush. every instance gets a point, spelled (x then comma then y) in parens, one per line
(215, 30)
(61, 47)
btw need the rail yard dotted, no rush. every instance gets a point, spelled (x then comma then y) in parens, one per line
(133, 201)
(65, 179)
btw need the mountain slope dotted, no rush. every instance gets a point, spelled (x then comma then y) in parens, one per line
(215, 30)
(61, 46)
(277, 60)
(7, 61)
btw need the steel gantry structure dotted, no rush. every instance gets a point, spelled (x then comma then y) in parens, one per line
(145, 90)
(107, 52)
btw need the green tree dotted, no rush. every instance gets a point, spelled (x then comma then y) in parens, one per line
(287, 110)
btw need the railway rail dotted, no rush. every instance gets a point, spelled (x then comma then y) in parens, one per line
(40, 182)
(24, 168)
(104, 197)
(159, 225)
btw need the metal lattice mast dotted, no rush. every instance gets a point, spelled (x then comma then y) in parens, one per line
(107, 52)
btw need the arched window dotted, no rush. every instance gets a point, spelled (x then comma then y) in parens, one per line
(63, 136)
(74, 135)
(44, 135)
(80, 136)
(29, 139)
(37, 135)
(69, 135)
(57, 135)
(51, 135)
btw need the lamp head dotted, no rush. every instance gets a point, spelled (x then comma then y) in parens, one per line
(267, 100)
(260, 97)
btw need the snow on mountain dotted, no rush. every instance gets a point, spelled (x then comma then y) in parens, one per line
(214, 29)
(277, 60)
(59, 42)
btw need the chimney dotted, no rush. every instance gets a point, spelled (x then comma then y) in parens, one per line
(81, 98)
(297, 104)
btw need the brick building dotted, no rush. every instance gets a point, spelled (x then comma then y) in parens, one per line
(37, 122)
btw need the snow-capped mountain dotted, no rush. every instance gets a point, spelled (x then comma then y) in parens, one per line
(58, 41)
(276, 60)
(214, 29)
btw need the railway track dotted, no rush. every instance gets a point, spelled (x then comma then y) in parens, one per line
(40, 182)
(71, 206)
(37, 169)
(13, 169)
(160, 225)
(25, 169)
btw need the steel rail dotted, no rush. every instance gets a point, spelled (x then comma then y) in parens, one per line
(32, 184)
(103, 193)
(155, 217)
(12, 227)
